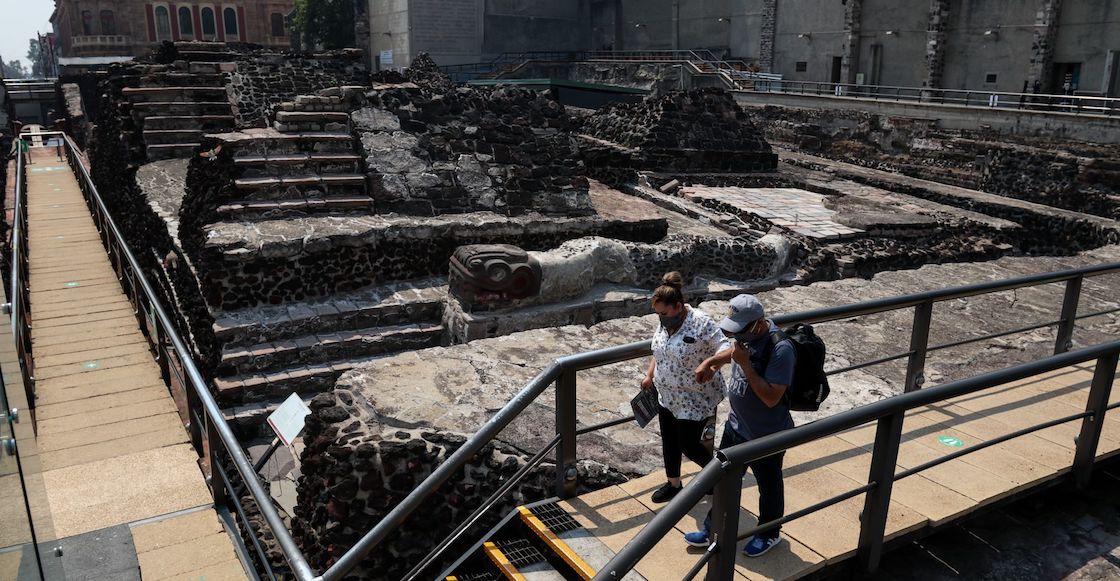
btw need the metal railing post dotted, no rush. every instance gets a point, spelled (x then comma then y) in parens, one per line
(213, 444)
(1064, 341)
(1090, 435)
(725, 524)
(919, 340)
(876, 504)
(567, 476)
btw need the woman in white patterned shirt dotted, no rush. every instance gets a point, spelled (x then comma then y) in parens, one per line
(684, 338)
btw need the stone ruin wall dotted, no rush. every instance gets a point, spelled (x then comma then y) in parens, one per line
(504, 149)
(263, 80)
(1071, 175)
(698, 131)
(398, 255)
(355, 470)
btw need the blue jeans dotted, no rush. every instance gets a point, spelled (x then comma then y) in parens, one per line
(771, 488)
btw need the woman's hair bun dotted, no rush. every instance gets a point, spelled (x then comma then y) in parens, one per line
(673, 279)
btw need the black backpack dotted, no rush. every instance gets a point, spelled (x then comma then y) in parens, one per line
(810, 384)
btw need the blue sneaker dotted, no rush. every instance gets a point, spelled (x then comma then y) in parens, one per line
(758, 546)
(697, 539)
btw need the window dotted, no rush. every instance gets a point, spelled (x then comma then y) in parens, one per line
(163, 23)
(186, 25)
(108, 22)
(277, 24)
(229, 15)
(990, 78)
(87, 22)
(801, 66)
(209, 24)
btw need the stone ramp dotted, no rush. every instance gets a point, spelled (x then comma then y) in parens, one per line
(111, 443)
(816, 471)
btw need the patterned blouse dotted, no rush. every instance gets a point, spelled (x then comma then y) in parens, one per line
(677, 358)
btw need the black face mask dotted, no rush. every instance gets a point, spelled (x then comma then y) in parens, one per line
(672, 323)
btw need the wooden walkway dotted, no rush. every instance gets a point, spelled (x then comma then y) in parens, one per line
(112, 446)
(823, 469)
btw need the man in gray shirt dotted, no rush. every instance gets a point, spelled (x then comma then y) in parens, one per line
(763, 368)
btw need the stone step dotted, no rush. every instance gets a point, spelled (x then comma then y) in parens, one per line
(300, 181)
(312, 117)
(205, 68)
(299, 163)
(172, 136)
(210, 79)
(326, 348)
(289, 208)
(207, 56)
(288, 127)
(147, 109)
(419, 301)
(189, 122)
(171, 151)
(174, 94)
(272, 143)
(303, 379)
(315, 103)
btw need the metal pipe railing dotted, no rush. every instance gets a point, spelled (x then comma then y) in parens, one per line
(220, 435)
(591, 359)
(731, 461)
(18, 283)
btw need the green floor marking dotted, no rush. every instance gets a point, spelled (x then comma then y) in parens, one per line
(951, 441)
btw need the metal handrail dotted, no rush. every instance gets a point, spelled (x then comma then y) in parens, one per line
(167, 339)
(719, 473)
(18, 292)
(568, 365)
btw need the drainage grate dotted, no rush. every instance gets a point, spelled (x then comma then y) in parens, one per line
(520, 552)
(555, 518)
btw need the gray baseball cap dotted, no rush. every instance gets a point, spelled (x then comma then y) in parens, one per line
(745, 309)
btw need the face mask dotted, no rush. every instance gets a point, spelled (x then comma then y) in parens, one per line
(673, 322)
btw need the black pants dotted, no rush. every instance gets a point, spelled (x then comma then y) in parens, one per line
(681, 437)
(771, 488)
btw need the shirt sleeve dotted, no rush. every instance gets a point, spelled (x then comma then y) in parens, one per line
(780, 369)
(715, 338)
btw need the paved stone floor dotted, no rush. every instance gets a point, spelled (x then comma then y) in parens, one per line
(791, 209)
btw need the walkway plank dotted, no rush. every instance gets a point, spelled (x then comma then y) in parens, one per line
(830, 466)
(111, 442)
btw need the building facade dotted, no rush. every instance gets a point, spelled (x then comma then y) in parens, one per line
(120, 28)
(987, 45)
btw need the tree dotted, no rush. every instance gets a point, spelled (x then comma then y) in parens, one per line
(329, 23)
(14, 70)
(35, 57)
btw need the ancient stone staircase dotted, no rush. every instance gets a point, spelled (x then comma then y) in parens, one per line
(174, 105)
(271, 351)
(304, 165)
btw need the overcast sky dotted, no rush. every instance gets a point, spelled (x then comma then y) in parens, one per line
(19, 20)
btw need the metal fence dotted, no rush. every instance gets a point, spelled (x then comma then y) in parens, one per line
(1037, 102)
(216, 444)
(19, 288)
(738, 75)
(210, 435)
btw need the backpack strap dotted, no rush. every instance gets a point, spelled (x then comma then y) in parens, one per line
(775, 338)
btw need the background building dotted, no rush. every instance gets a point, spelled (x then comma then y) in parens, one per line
(989, 45)
(122, 28)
